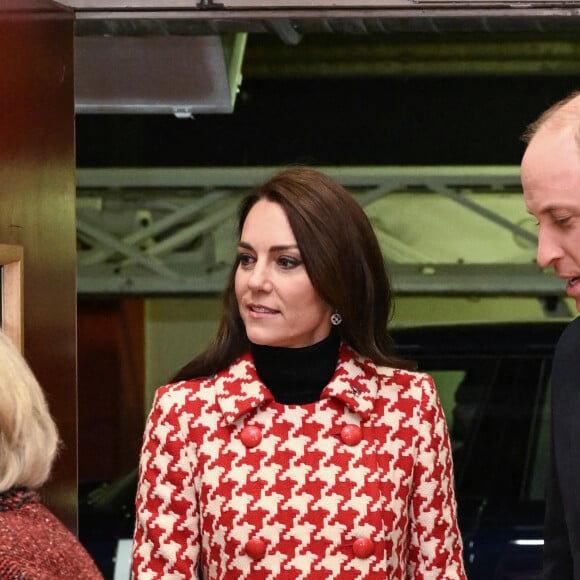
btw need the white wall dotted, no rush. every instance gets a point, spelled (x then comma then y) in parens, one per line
(176, 329)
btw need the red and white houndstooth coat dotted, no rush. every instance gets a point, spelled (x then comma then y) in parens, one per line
(356, 485)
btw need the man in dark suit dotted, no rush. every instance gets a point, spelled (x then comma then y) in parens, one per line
(550, 174)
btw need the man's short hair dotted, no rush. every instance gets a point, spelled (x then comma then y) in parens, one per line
(555, 115)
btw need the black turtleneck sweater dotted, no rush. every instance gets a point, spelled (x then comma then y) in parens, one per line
(297, 376)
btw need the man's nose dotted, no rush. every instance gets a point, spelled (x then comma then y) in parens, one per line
(549, 247)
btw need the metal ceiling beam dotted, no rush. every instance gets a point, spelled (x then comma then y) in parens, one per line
(291, 20)
(162, 231)
(500, 178)
(429, 52)
(524, 280)
(487, 214)
(150, 41)
(248, 9)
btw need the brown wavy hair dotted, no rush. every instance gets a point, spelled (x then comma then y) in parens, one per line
(343, 260)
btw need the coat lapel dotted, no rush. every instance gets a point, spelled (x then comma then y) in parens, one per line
(239, 390)
(355, 383)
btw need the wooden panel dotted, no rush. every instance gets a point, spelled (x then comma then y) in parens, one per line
(111, 387)
(37, 209)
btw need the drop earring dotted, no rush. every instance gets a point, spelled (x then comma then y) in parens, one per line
(336, 318)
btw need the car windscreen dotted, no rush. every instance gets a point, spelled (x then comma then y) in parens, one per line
(498, 419)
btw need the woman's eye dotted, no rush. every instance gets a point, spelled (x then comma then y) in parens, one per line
(245, 260)
(288, 263)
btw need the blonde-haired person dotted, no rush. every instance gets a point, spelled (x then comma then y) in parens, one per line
(33, 542)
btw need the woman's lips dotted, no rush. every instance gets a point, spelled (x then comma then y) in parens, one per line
(258, 309)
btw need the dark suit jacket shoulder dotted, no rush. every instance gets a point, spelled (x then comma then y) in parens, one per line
(568, 347)
(562, 525)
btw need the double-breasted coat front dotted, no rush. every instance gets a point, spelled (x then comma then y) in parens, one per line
(358, 484)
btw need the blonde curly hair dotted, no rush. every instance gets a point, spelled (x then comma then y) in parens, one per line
(28, 435)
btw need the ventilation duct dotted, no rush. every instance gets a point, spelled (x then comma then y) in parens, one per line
(179, 75)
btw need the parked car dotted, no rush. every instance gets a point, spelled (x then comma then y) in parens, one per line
(493, 380)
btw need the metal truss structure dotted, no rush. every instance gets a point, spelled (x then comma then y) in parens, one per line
(172, 231)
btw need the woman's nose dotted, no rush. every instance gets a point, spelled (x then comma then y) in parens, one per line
(259, 279)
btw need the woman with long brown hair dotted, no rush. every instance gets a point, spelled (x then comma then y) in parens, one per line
(298, 444)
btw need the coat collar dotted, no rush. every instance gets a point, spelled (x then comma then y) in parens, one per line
(355, 383)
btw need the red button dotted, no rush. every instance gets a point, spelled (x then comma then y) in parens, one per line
(363, 547)
(251, 436)
(351, 434)
(256, 549)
